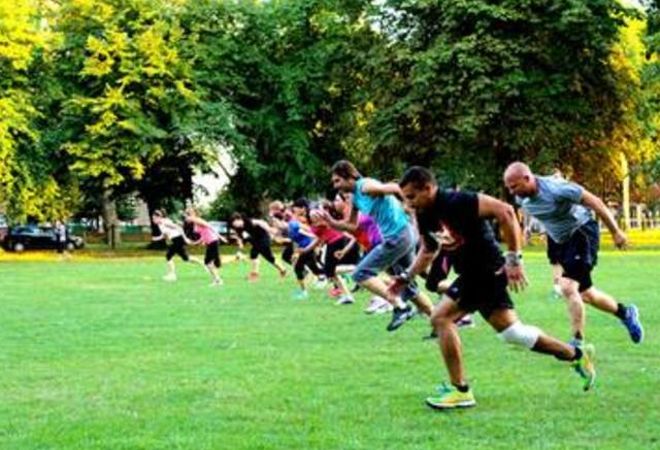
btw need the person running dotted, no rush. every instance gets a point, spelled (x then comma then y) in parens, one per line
(302, 262)
(276, 219)
(211, 240)
(177, 241)
(340, 251)
(259, 233)
(395, 252)
(484, 274)
(564, 210)
(367, 235)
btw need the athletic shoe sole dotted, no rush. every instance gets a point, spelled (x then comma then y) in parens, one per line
(460, 405)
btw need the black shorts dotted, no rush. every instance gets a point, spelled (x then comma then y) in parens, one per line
(262, 247)
(485, 293)
(212, 254)
(331, 261)
(177, 247)
(552, 251)
(287, 253)
(438, 272)
(579, 255)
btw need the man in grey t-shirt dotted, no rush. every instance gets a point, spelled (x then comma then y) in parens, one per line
(564, 209)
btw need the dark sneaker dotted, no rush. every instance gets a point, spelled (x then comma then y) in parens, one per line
(633, 324)
(430, 336)
(399, 317)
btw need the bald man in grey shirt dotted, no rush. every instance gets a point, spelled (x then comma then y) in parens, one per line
(565, 210)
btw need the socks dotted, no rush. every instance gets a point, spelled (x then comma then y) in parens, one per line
(462, 388)
(621, 311)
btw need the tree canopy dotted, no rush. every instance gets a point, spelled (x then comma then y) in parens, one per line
(103, 98)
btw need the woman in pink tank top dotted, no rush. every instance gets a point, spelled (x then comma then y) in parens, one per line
(211, 239)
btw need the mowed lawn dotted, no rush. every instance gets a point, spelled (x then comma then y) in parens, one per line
(103, 354)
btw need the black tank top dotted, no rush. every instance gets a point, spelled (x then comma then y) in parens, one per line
(257, 234)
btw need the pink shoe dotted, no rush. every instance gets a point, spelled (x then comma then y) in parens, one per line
(335, 292)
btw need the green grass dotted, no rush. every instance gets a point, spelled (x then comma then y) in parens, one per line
(104, 355)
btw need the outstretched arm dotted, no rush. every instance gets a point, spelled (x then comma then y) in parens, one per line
(602, 211)
(376, 188)
(490, 207)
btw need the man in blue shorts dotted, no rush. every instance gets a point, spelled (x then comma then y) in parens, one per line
(564, 209)
(397, 250)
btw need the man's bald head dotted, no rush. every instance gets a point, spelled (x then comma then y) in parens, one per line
(519, 179)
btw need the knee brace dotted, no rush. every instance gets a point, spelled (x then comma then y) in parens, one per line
(521, 334)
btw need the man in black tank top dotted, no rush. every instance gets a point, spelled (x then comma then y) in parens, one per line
(484, 273)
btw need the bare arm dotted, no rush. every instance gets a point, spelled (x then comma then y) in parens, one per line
(350, 224)
(602, 211)
(376, 188)
(490, 207)
(422, 260)
(347, 248)
(311, 246)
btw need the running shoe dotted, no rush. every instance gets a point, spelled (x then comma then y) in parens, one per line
(321, 283)
(345, 300)
(399, 317)
(448, 397)
(465, 322)
(253, 276)
(585, 367)
(375, 304)
(633, 324)
(300, 295)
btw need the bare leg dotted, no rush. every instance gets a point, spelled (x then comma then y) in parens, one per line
(377, 286)
(215, 275)
(423, 304)
(443, 319)
(171, 272)
(575, 305)
(600, 300)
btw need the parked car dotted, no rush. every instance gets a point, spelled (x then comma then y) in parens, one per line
(222, 228)
(30, 237)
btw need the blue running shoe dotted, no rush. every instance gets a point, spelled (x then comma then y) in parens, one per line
(633, 324)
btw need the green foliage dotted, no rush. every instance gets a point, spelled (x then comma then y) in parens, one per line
(137, 96)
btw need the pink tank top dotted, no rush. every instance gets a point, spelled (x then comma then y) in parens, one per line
(206, 234)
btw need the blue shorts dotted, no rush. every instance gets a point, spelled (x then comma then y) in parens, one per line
(394, 255)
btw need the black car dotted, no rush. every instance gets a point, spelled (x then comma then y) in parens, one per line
(41, 238)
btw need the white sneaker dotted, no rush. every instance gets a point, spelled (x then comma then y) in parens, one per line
(385, 308)
(345, 300)
(320, 284)
(217, 283)
(170, 277)
(375, 304)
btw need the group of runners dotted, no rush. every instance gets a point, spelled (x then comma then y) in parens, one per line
(382, 236)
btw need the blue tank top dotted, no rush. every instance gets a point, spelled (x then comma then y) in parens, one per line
(386, 210)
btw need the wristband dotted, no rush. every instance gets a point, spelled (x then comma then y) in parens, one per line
(405, 276)
(513, 259)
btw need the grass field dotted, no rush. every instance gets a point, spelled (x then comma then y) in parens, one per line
(102, 354)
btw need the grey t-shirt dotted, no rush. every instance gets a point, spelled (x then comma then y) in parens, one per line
(557, 205)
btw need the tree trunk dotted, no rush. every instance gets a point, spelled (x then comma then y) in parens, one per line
(110, 219)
